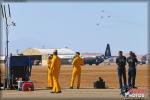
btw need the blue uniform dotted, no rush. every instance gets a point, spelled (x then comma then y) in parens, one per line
(121, 62)
(132, 70)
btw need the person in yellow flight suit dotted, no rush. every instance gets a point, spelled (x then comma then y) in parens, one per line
(55, 65)
(77, 63)
(50, 78)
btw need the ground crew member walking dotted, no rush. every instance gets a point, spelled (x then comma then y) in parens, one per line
(132, 62)
(56, 63)
(50, 78)
(77, 62)
(121, 62)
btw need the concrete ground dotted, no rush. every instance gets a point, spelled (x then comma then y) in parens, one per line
(69, 94)
(66, 93)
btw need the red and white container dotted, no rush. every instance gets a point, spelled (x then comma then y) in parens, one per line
(28, 86)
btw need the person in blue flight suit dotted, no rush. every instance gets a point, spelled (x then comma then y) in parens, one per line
(121, 62)
(132, 62)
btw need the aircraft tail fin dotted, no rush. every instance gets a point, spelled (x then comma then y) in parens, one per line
(107, 51)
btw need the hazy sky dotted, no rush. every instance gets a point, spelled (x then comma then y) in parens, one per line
(82, 26)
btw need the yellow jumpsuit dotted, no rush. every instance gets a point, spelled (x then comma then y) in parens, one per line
(50, 78)
(56, 63)
(77, 62)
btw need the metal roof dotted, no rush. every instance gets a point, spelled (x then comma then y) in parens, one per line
(2, 57)
(61, 51)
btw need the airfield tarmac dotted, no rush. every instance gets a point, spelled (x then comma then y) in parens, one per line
(89, 75)
(66, 94)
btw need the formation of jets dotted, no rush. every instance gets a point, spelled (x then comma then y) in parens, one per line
(103, 16)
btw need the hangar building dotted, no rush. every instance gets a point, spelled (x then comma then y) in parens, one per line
(64, 53)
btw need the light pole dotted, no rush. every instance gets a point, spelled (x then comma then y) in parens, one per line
(4, 13)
